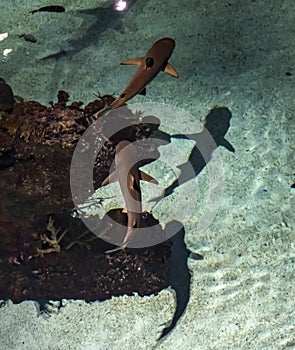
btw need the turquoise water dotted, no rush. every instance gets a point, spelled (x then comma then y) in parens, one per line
(239, 55)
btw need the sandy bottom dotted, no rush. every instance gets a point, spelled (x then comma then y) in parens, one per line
(240, 56)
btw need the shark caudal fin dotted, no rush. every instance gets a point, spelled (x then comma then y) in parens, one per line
(169, 69)
(134, 61)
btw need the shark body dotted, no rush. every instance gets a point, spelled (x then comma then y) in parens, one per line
(129, 176)
(149, 66)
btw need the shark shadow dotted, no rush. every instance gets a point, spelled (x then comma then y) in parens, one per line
(105, 18)
(180, 277)
(217, 123)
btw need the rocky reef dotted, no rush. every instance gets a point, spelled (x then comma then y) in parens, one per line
(46, 252)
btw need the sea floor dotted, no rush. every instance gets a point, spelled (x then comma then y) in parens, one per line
(239, 55)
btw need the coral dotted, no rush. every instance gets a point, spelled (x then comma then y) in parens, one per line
(86, 243)
(52, 241)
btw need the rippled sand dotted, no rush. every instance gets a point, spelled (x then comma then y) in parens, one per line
(237, 55)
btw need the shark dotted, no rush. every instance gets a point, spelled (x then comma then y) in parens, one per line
(149, 66)
(128, 174)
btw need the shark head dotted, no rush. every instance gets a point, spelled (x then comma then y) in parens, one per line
(155, 61)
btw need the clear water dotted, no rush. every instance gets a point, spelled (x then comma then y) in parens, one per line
(235, 54)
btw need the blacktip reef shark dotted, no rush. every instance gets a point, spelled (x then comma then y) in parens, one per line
(129, 176)
(149, 66)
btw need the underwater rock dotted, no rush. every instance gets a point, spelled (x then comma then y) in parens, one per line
(45, 253)
(6, 97)
(28, 37)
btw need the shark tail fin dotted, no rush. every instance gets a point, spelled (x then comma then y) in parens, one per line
(134, 61)
(145, 177)
(169, 69)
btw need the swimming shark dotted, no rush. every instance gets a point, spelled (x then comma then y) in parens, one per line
(129, 176)
(149, 66)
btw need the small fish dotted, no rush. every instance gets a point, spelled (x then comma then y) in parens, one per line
(129, 176)
(149, 66)
(53, 8)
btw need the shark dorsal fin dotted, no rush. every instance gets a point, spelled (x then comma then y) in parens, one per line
(169, 69)
(134, 61)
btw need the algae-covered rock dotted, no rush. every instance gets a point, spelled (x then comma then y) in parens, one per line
(6, 97)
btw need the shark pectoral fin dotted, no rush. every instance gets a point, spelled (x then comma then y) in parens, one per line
(134, 61)
(109, 179)
(169, 69)
(145, 177)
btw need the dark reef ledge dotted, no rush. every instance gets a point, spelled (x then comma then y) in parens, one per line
(45, 253)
